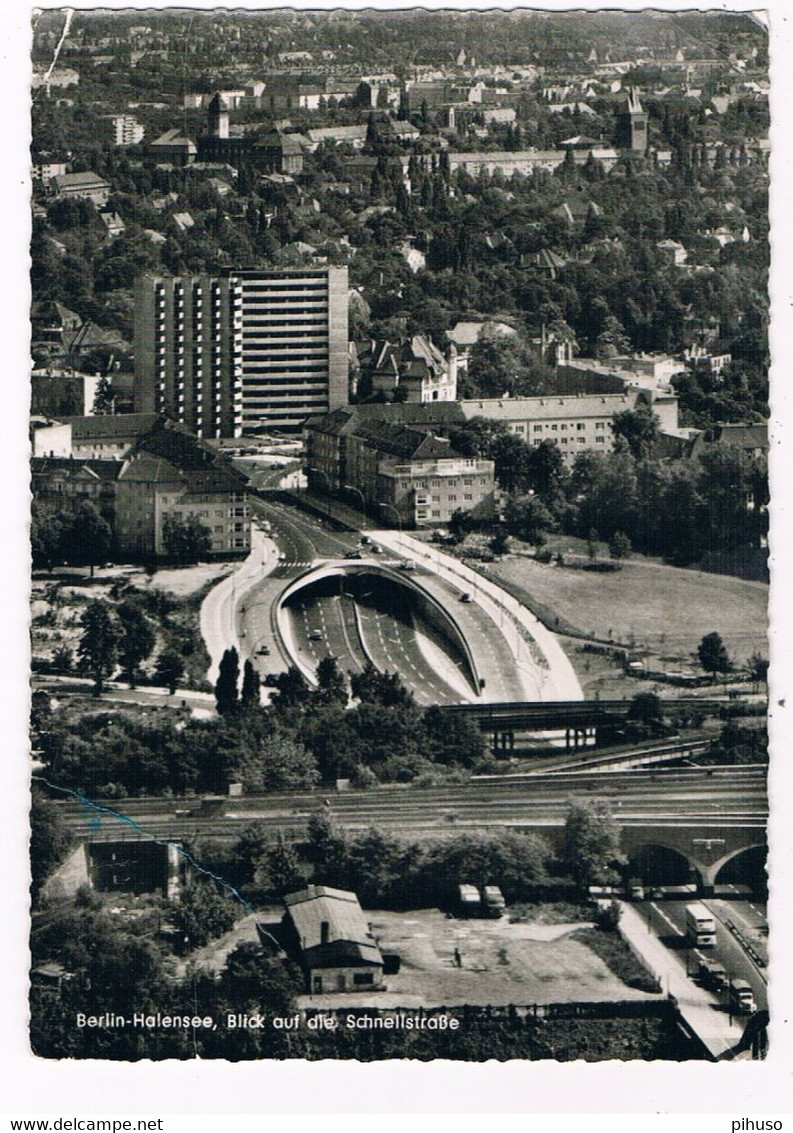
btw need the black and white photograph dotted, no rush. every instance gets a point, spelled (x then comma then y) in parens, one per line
(399, 535)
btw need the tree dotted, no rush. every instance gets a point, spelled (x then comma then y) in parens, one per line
(635, 431)
(452, 738)
(591, 841)
(186, 538)
(226, 686)
(370, 686)
(88, 538)
(205, 912)
(758, 669)
(169, 670)
(620, 546)
(103, 398)
(713, 656)
(528, 518)
(332, 686)
(50, 839)
(496, 362)
(612, 340)
(250, 696)
(647, 708)
(137, 639)
(97, 649)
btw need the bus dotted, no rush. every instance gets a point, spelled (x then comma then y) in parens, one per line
(700, 926)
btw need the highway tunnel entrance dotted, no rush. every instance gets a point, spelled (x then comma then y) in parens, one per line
(367, 614)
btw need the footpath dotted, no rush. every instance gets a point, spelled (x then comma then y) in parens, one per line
(536, 650)
(702, 1012)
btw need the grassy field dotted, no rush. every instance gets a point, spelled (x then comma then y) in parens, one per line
(501, 963)
(656, 606)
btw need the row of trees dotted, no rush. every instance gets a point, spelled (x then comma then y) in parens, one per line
(679, 509)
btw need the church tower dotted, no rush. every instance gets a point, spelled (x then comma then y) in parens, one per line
(637, 122)
(218, 117)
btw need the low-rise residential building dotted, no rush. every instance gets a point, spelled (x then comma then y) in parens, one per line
(576, 424)
(403, 474)
(59, 393)
(327, 933)
(142, 470)
(464, 335)
(410, 370)
(88, 186)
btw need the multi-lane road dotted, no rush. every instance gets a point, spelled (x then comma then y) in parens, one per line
(368, 627)
(667, 919)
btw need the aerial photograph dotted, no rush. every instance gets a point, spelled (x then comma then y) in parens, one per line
(399, 534)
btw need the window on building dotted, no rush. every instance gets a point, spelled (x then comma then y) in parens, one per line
(600, 424)
(436, 513)
(554, 428)
(363, 979)
(600, 440)
(452, 499)
(564, 428)
(468, 496)
(580, 426)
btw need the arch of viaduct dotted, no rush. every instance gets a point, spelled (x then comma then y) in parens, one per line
(443, 619)
(705, 848)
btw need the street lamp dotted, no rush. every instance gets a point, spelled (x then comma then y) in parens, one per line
(352, 488)
(395, 510)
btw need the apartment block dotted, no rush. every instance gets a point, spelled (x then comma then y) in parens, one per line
(188, 352)
(294, 346)
(253, 351)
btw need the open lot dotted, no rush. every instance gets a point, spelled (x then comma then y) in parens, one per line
(502, 963)
(663, 607)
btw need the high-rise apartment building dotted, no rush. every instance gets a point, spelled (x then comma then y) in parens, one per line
(294, 345)
(253, 351)
(188, 352)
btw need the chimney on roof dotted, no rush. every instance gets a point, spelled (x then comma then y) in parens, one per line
(324, 932)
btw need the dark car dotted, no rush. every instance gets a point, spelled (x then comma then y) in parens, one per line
(353, 555)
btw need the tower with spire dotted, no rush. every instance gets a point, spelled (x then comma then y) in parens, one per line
(637, 122)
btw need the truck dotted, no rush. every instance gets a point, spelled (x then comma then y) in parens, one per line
(493, 903)
(470, 903)
(700, 926)
(741, 997)
(712, 976)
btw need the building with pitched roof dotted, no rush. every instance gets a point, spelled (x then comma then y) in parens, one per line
(326, 931)
(401, 473)
(412, 369)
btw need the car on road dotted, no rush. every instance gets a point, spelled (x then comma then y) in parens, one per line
(366, 540)
(375, 549)
(408, 564)
(466, 597)
(353, 555)
(315, 635)
(263, 650)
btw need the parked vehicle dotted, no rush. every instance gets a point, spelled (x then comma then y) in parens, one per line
(263, 650)
(636, 890)
(408, 564)
(700, 926)
(741, 997)
(470, 902)
(493, 902)
(466, 597)
(353, 555)
(366, 540)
